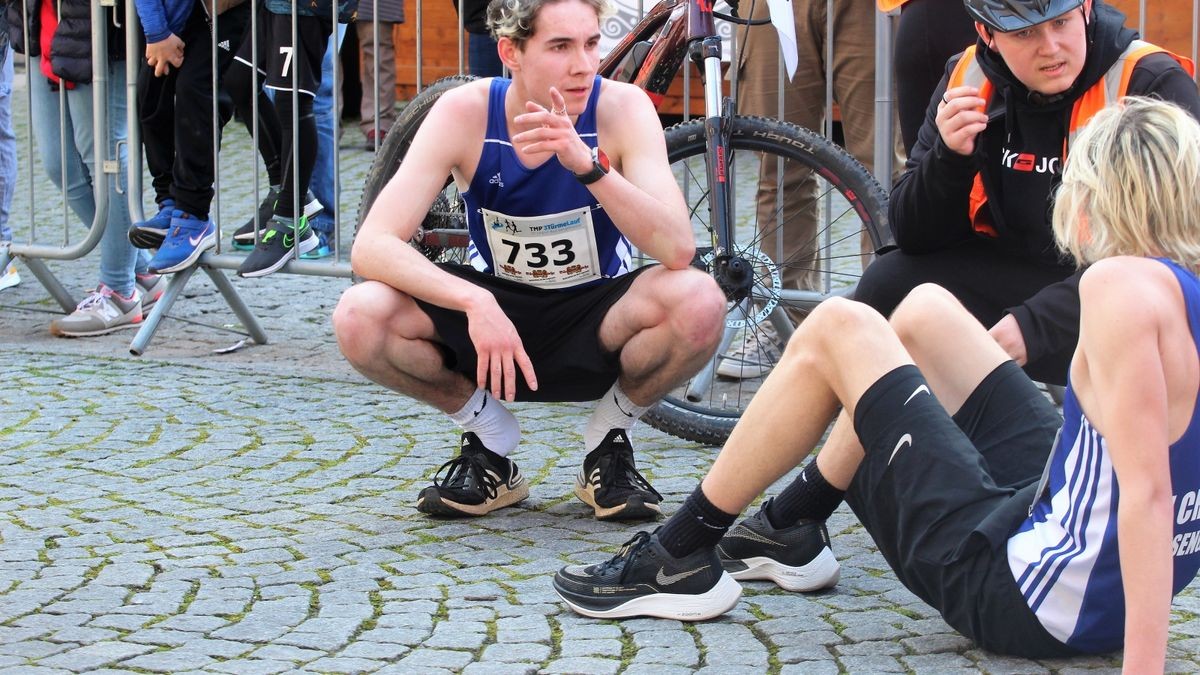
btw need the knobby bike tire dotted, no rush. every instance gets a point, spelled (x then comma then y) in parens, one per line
(852, 207)
(442, 235)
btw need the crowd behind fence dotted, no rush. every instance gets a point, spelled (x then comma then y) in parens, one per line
(36, 243)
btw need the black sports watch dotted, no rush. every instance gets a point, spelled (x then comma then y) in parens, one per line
(600, 168)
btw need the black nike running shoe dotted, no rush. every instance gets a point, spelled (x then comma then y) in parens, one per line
(477, 482)
(609, 482)
(796, 558)
(643, 579)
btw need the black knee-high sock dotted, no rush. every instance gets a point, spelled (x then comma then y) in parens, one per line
(809, 497)
(696, 525)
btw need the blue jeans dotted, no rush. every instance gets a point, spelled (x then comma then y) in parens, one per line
(322, 184)
(8, 143)
(119, 260)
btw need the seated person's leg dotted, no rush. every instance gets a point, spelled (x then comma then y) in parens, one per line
(665, 327)
(823, 365)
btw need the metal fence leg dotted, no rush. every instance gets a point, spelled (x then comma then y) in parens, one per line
(150, 322)
(235, 302)
(174, 287)
(51, 283)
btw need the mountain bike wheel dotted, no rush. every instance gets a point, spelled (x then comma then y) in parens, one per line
(442, 236)
(833, 226)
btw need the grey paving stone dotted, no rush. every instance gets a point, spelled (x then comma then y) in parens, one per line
(344, 665)
(95, 655)
(253, 667)
(434, 658)
(172, 661)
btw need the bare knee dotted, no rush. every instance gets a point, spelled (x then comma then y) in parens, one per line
(922, 313)
(834, 326)
(697, 308)
(362, 317)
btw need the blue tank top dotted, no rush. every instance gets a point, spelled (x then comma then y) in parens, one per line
(1064, 557)
(538, 226)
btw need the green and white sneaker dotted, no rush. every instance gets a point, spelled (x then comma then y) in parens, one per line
(275, 249)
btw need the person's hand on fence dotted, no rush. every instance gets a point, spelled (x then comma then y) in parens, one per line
(498, 350)
(960, 118)
(551, 131)
(163, 54)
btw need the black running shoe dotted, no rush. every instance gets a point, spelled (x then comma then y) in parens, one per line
(609, 482)
(243, 237)
(477, 482)
(275, 249)
(796, 558)
(644, 580)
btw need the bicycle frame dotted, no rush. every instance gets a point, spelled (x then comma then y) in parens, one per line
(682, 26)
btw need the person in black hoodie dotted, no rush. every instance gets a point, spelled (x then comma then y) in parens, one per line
(972, 210)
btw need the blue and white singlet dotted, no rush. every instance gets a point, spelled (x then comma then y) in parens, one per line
(538, 226)
(1064, 557)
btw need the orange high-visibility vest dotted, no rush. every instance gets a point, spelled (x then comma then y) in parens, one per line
(1108, 89)
(888, 5)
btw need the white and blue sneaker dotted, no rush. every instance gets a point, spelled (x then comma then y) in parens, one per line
(9, 276)
(188, 238)
(150, 233)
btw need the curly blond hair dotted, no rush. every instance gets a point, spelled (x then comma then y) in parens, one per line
(514, 19)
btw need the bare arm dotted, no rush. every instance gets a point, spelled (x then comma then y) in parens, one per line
(381, 250)
(640, 193)
(1122, 381)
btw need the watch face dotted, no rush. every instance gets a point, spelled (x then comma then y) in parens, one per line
(601, 159)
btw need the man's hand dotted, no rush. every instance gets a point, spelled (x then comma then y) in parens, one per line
(1007, 333)
(498, 350)
(960, 118)
(165, 53)
(552, 132)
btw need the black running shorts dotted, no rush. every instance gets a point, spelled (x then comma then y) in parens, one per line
(560, 330)
(940, 496)
(277, 59)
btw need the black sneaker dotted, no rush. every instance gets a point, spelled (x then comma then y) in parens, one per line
(275, 249)
(610, 483)
(243, 237)
(796, 558)
(478, 481)
(644, 580)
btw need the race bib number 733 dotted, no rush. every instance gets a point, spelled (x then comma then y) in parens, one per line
(552, 251)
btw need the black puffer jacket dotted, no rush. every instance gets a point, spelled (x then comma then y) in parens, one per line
(71, 46)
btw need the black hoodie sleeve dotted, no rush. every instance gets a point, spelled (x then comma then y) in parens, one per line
(928, 206)
(1049, 320)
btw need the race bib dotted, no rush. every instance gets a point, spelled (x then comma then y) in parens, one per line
(554, 251)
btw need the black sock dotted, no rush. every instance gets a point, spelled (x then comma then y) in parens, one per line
(697, 525)
(809, 497)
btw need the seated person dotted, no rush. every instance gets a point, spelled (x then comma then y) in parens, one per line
(942, 441)
(972, 211)
(562, 174)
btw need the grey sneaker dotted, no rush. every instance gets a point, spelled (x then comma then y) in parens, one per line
(151, 286)
(754, 356)
(101, 312)
(9, 277)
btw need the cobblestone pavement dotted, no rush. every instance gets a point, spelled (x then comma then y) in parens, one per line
(253, 512)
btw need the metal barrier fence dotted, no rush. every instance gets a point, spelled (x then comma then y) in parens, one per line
(34, 252)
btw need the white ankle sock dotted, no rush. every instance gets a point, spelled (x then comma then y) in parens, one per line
(613, 411)
(488, 419)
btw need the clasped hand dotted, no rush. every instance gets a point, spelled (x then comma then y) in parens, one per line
(165, 53)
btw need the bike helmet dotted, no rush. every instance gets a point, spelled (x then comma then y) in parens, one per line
(1008, 15)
